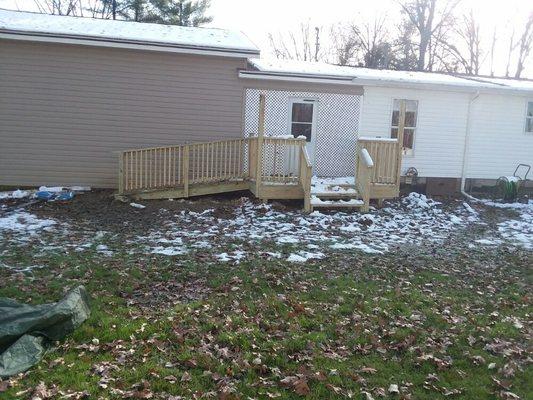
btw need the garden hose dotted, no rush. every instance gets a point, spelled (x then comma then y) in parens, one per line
(508, 186)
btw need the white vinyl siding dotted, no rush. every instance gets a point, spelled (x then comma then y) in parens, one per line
(497, 141)
(440, 130)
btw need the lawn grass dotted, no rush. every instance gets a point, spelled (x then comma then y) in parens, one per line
(335, 328)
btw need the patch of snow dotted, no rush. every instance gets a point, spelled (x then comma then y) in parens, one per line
(51, 189)
(224, 257)
(488, 242)
(235, 256)
(419, 201)
(125, 31)
(103, 249)
(514, 206)
(515, 232)
(15, 194)
(287, 240)
(168, 251)
(343, 246)
(303, 256)
(315, 201)
(362, 75)
(24, 222)
(377, 139)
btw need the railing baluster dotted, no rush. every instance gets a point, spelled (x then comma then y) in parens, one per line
(213, 162)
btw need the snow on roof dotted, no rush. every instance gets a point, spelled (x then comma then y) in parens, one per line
(375, 76)
(126, 31)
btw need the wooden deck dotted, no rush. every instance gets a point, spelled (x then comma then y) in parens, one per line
(269, 167)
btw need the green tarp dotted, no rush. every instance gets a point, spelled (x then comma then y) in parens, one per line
(26, 330)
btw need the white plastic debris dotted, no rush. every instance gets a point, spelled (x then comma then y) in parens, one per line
(393, 389)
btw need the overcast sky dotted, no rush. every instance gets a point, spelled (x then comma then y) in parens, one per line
(258, 18)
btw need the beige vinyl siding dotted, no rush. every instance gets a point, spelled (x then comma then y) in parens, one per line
(65, 110)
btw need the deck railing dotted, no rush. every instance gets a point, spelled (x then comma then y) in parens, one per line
(151, 168)
(280, 159)
(210, 162)
(216, 161)
(387, 158)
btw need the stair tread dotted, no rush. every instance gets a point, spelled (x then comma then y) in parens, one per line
(333, 195)
(316, 202)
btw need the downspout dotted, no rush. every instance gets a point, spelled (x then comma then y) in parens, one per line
(473, 98)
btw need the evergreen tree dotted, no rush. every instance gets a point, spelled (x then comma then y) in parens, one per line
(172, 12)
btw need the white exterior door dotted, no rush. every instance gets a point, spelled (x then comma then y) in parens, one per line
(303, 117)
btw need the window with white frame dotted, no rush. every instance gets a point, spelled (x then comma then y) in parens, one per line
(529, 117)
(411, 116)
(302, 118)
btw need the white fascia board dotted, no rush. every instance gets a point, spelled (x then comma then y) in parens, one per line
(268, 76)
(167, 48)
(347, 80)
(442, 87)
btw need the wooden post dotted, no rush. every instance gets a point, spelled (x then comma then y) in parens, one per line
(260, 138)
(121, 173)
(401, 128)
(185, 169)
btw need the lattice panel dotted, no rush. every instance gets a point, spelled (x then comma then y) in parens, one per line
(337, 127)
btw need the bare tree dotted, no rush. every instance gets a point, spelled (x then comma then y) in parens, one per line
(60, 7)
(344, 45)
(492, 47)
(512, 46)
(372, 39)
(302, 45)
(366, 44)
(428, 19)
(524, 45)
(405, 58)
(465, 50)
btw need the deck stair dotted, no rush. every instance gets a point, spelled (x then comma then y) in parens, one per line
(335, 193)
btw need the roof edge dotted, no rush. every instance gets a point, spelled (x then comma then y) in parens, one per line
(127, 44)
(311, 78)
(348, 80)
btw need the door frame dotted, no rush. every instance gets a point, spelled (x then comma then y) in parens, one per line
(311, 145)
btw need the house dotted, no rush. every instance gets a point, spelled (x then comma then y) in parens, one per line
(76, 92)
(475, 128)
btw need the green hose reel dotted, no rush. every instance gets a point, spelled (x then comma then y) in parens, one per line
(509, 185)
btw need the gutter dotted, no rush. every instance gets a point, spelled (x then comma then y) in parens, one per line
(472, 99)
(126, 44)
(288, 77)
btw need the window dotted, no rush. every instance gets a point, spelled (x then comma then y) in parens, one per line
(411, 115)
(302, 119)
(529, 117)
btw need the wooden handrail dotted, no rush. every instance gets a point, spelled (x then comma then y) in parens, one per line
(306, 171)
(365, 168)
